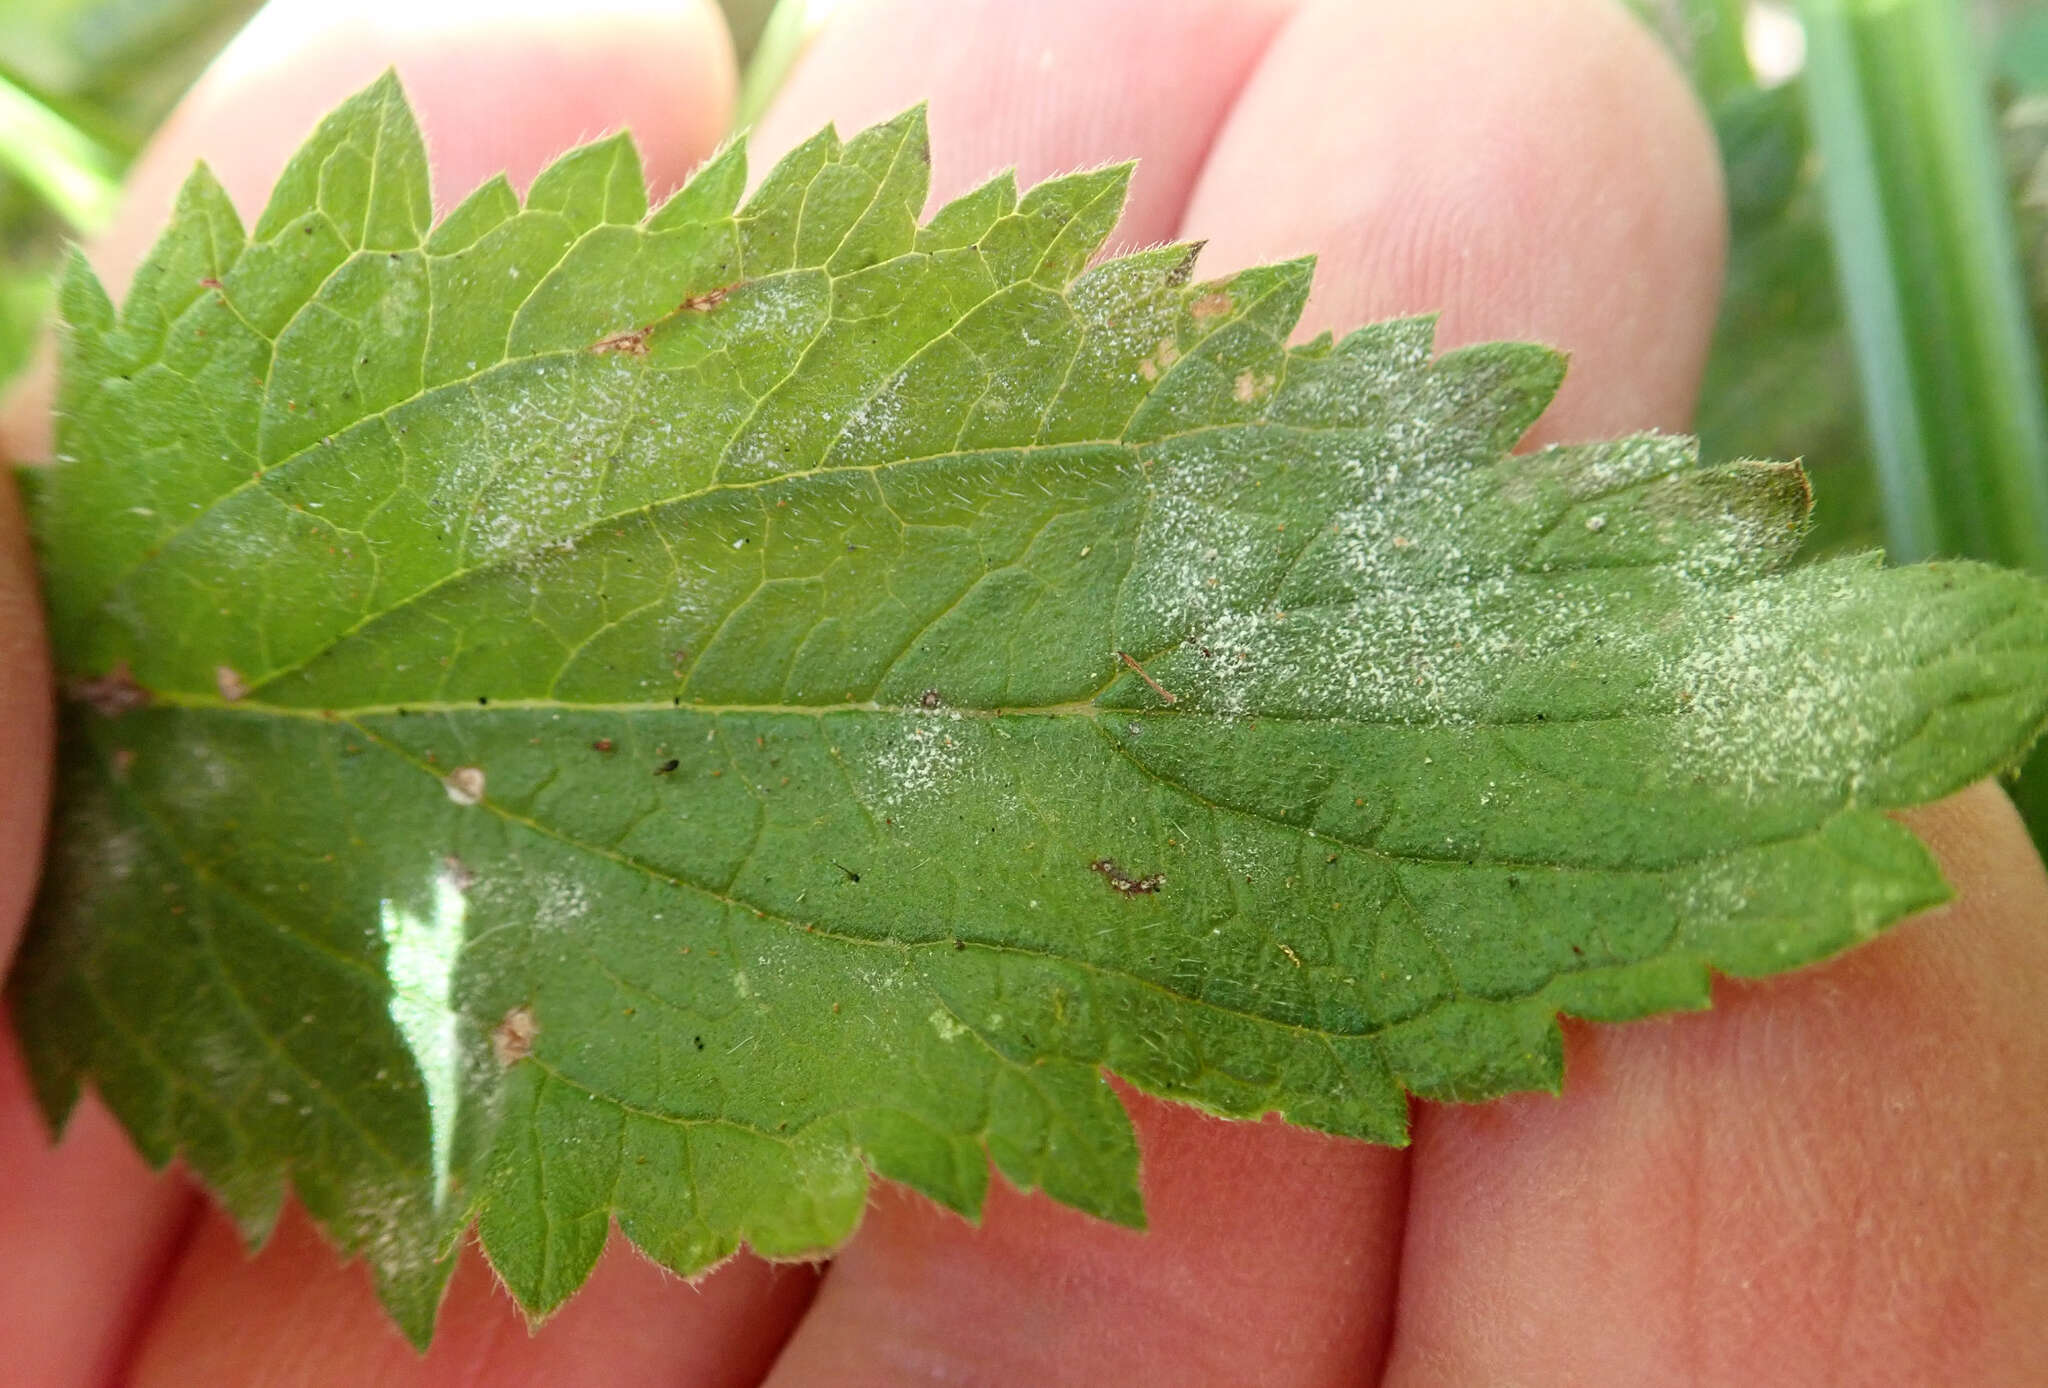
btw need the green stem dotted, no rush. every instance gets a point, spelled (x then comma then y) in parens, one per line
(77, 176)
(783, 40)
(1930, 277)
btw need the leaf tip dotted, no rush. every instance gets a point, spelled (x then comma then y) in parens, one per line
(83, 305)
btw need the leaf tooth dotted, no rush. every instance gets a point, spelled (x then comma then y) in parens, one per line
(712, 194)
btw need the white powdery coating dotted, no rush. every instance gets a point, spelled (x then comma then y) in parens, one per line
(557, 901)
(877, 427)
(531, 475)
(1768, 698)
(777, 310)
(1428, 625)
(1413, 608)
(116, 853)
(926, 760)
(1195, 573)
(1128, 312)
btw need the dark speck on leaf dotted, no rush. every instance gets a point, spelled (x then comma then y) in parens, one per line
(603, 744)
(667, 766)
(929, 699)
(698, 1042)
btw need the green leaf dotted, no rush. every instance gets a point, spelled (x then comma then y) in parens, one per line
(583, 716)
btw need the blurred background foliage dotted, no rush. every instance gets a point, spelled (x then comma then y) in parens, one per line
(1876, 315)
(111, 70)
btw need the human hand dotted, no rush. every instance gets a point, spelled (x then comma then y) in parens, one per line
(1840, 1175)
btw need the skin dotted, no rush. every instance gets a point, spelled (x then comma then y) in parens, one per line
(1837, 1176)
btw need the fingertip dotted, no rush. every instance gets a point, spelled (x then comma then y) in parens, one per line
(26, 720)
(1532, 169)
(87, 1226)
(1045, 87)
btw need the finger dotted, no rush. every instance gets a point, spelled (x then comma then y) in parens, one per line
(87, 1229)
(494, 86)
(1048, 87)
(1840, 1176)
(1529, 169)
(319, 1322)
(25, 722)
(1229, 1283)
(1299, 1292)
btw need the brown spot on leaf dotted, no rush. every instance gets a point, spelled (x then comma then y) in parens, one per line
(230, 684)
(112, 694)
(512, 1038)
(1214, 304)
(708, 300)
(633, 344)
(465, 785)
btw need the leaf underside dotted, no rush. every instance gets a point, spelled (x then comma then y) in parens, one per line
(580, 715)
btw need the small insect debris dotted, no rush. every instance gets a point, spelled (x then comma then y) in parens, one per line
(1123, 882)
(666, 767)
(1157, 688)
(603, 744)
